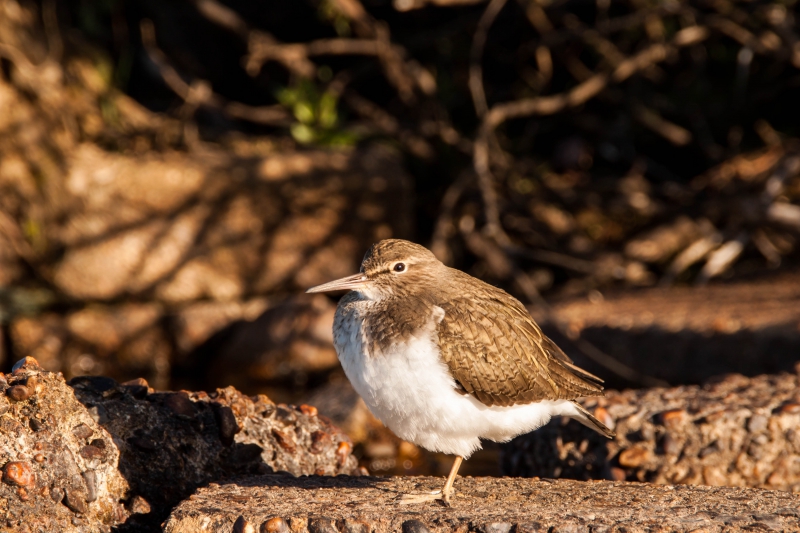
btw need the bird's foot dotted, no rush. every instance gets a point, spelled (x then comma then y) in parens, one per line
(435, 496)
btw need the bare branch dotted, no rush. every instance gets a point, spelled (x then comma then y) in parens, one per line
(675, 134)
(199, 92)
(476, 56)
(548, 105)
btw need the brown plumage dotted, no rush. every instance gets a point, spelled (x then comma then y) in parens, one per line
(494, 349)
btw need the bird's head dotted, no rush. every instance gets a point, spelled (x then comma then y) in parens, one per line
(391, 267)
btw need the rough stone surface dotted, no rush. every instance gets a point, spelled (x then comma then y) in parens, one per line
(688, 334)
(59, 466)
(172, 442)
(368, 504)
(734, 431)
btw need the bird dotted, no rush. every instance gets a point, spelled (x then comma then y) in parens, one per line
(444, 359)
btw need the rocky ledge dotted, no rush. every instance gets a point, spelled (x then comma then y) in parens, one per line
(95, 454)
(343, 504)
(733, 431)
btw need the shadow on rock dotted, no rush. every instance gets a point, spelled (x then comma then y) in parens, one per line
(171, 443)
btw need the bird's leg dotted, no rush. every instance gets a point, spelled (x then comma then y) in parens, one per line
(448, 485)
(435, 495)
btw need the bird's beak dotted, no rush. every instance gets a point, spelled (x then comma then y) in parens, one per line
(356, 281)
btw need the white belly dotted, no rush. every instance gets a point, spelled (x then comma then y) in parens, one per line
(412, 392)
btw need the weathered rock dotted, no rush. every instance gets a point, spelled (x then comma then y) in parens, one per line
(345, 504)
(49, 483)
(173, 442)
(688, 334)
(735, 431)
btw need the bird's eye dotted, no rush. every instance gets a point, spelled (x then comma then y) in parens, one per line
(400, 267)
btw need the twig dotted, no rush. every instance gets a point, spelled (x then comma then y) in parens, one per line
(548, 105)
(444, 222)
(545, 105)
(388, 124)
(199, 92)
(722, 258)
(692, 254)
(391, 56)
(675, 134)
(480, 160)
(476, 56)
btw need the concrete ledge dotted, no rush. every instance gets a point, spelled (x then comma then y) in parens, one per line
(283, 504)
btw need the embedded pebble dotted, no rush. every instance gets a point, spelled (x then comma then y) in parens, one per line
(498, 527)
(243, 526)
(180, 404)
(284, 414)
(26, 363)
(356, 526)
(18, 393)
(322, 525)
(309, 410)
(138, 388)
(226, 422)
(82, 431)
(138, 505)
(673, 417)
(320, 440)
(415, 526)
(284, 439)
(634, 456)
(57, 494)
(75, 501)
(671, 445)
(19, 473)
(791, 408)
(90, 480)
(343, 451)
(275, 525)
(757, 423)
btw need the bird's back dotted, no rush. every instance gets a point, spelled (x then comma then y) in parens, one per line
(498, 354)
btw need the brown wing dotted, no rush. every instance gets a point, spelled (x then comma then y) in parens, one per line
(498, 354)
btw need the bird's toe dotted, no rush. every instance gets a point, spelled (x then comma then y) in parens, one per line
(410, 499)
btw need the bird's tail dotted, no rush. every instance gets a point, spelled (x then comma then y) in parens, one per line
(590, 421)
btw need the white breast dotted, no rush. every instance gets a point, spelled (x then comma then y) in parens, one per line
(410, 389)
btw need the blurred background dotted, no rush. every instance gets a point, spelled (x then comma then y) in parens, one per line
(173, 175)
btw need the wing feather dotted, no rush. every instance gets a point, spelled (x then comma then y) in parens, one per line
(498, 354)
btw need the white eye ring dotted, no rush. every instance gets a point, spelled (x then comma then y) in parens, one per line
(399, 268)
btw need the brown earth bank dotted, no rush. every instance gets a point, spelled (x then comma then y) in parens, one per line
(482, 505)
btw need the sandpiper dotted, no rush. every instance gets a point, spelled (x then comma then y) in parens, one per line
(444, 359)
